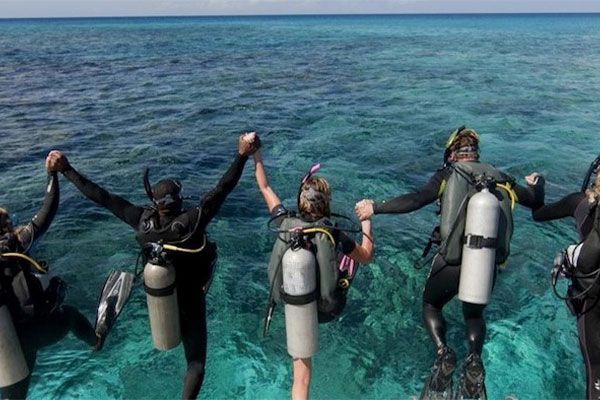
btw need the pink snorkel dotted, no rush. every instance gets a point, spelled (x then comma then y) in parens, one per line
(313, 170)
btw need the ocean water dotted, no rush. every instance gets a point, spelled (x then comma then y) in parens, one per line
(370, 97)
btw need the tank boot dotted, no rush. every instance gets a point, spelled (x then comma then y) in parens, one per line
(439, 383)
(472, 380)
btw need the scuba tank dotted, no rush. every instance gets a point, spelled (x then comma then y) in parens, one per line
(161, 297)
(479, 248)
(13, 367)
(299, 293)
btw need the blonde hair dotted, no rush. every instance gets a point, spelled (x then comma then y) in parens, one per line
(593, 193)
(314, 198)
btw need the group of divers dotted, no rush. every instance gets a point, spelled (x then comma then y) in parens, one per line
(311, 267)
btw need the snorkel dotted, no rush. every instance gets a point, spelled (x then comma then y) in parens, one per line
(313, 170)
(591, 170)
(147, 186)
(170, 200)
(450, 142)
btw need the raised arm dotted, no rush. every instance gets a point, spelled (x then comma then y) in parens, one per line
(427, 194)
(271, 198)
(120, 207)
(564, 207)
(531, 196)
(212, 202)
(40, 223)
(363, 252)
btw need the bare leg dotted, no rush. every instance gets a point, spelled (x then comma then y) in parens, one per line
(302, 374)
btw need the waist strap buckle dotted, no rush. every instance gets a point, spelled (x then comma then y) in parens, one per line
(479, 242)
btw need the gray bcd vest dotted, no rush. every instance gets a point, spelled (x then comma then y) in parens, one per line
(326, 257)
(454, 199)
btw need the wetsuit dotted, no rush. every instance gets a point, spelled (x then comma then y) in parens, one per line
(47, 321)
(442, 283)
(193, 271)
(577, 206)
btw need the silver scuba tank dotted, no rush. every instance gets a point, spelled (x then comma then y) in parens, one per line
(479, 248)
(299, 273)
(13, 367)
(161, 296)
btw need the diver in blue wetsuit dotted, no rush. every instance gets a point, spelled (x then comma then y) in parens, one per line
(454, 185)
(582, 265)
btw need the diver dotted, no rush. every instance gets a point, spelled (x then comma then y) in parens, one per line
(462, 178)
(179, 237)
(332, 256)
(582, 264)
(32, 313)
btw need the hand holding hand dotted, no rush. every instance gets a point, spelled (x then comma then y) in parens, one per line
(248, 144)
(364, 209)
(57, 162)
(533, 178)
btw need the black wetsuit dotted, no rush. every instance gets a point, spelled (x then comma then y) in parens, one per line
(45, 324)
(577, 206)
(192, 271)
(442, 283)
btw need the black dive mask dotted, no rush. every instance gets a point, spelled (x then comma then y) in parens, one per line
(166, 194)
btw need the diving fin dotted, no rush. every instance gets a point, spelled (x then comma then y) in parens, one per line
(439, 383)
(115, 294)
(472, 381)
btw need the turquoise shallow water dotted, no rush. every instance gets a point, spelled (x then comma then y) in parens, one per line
(372, 98)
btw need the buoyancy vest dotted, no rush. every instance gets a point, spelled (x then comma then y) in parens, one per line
(22, 289)
(321, 245)
(454, 198)
(182, 231)
(179, 231)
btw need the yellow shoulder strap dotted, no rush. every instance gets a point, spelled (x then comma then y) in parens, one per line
(25, 257)
(511, 193)
(442, 188)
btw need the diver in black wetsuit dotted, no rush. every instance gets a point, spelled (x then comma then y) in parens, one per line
(442, 283)
(166, 220)
(34, 297)
(583, 207)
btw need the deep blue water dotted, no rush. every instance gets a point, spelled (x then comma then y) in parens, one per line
(370, 97)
